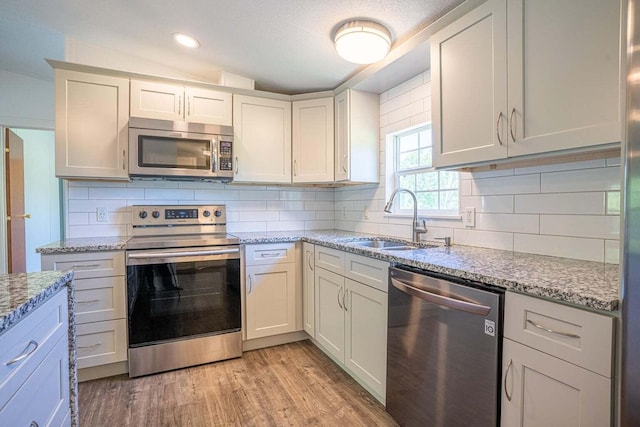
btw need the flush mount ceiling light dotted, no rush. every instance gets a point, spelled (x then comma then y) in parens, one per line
(362, 42)
(186, 40)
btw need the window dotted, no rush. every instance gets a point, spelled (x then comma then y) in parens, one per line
(436, 191)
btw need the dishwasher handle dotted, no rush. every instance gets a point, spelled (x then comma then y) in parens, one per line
(454, 303)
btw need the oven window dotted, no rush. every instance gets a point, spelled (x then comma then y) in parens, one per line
(178, 300)
(162, 152)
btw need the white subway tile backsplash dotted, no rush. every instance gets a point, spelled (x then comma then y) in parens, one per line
(285, 226)
(404, 87)
(612, 251)
(108, 230)
(601, 179)
(488, 204)
(77, 193)
(587, 164)
(258, 195)
(91, 205)
(515, 223)
(168, 193)
(492, 174)
(247, 205)
(285, 205)
(565, 247)
(202, 195)
(78, 218)
(117, 193)
(596, 226)
(486, 239)
(319, 225)
(614, 161)
(561, 203)
(258, 216)
(237, 227)
(521, 184)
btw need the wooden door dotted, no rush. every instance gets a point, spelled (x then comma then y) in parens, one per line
(16, 217)
(539, 390)
(469, 72)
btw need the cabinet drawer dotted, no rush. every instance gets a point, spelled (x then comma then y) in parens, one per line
(270, 253)
(44, 398)
(577, 336)
(101, 298)
(87, 265)
(100, 343)
(371, 272)
(34, 335)
(330, 259)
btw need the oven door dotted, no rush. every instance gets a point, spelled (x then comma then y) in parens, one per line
(175, 294)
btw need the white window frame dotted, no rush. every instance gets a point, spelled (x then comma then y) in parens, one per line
(393, 178)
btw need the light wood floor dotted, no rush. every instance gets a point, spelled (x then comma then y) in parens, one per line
(289, 385)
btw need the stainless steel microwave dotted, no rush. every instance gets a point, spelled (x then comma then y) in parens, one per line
(165, 149)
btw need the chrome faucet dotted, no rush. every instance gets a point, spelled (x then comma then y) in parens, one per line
(416, 230)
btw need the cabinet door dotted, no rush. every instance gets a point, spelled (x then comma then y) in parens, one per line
(330, 313)
(262, 143)
(157, 100)
(469, 87)
(91, 125)
(308, 289)
(312, 134)
(539, 390)
(342, 136)
(208, 106)
(366, 336)
(270, 300)
(564, 74)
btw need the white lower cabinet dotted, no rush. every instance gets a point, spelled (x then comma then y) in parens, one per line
(308, 289)
(101, 302)
(351, 317)
(34, 366)
(556, 365)
(271, 290)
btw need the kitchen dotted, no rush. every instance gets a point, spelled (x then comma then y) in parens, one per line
(568, 207)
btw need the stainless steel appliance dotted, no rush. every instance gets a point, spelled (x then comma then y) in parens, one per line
(180, 150)
(183, 288)
(443, 350)
(630, 339)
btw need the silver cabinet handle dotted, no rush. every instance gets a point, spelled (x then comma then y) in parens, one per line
(90, 347)
(34, 424)
(454, 303)
(25, 353)
(236, 165)
(78, 266)
(511, 116)
(506, 374)
(179, 105)
(309, 254)
(250, 285)
(344, 300)
(551, 331)
(498, 127)
(344, 163)
(339, 292)
(124, 157)
(188, 105)
(271, 255)
(295, 168)
(88, 302)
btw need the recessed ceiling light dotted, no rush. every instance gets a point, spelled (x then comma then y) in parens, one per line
(362, 42)
(186, 40)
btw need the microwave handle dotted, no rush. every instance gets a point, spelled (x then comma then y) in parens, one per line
(214, 155)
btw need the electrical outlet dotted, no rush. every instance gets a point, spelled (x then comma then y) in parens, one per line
(366, 213)
(101, 214)
(469, 217)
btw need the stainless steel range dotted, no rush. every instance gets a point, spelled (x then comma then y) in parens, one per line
(183, 288)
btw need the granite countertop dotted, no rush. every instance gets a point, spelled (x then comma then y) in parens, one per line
(585, 283)
(85, 244)
(22, 293)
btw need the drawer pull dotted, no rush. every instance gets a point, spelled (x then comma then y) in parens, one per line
(90, 347)
(25, 353)
(85, 266)
(88, 302)
(272, 255)
(551, 331)
(506, 374)
(34, 424)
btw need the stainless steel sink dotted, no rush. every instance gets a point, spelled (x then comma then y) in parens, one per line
(384, 244)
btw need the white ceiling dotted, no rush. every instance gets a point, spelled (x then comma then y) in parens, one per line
(284, 45)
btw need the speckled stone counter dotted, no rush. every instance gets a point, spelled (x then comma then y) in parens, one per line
(20, 294)
(85, 244)
(589, 284)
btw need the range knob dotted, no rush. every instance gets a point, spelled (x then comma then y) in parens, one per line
(206, 214)
(155, 214)
(217, 213)
(142, 214)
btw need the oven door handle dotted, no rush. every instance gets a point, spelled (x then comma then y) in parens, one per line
(154, 255)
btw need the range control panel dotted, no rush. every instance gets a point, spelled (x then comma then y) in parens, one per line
(153, 215)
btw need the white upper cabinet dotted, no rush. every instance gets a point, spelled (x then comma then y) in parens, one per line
(469, 87)
(357, 130)
(91, 125)
(558, 90)
(262, 139)
(313, 141)
(154, 100)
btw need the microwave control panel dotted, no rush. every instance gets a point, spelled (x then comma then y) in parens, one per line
(226, 156)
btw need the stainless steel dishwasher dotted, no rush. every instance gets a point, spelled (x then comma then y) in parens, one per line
(444, 345)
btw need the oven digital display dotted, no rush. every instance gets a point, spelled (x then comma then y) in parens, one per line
(180, 213)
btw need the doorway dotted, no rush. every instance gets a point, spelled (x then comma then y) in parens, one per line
(32, 196)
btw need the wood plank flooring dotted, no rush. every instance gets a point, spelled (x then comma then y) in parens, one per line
(289, 385)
